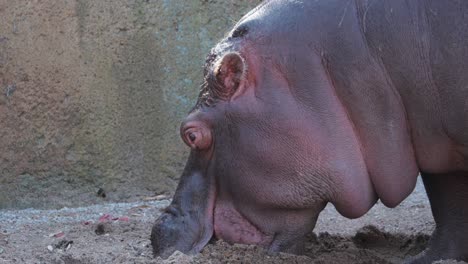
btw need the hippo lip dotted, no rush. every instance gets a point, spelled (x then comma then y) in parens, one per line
(233, 227)
(187, 224)
(206, 233)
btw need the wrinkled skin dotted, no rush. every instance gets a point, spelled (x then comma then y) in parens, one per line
(326, 101)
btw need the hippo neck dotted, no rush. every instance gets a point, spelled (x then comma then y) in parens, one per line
(374, 103)
(361, 83)
(391, 76)
(337, 35)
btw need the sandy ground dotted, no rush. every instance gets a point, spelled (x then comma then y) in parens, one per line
(119, 233)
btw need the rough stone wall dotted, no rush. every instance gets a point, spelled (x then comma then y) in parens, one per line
(92, 94)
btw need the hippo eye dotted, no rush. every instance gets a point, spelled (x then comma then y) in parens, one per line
(192, 137)
(196, 135)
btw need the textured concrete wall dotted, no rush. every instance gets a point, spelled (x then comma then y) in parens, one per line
(92, 94)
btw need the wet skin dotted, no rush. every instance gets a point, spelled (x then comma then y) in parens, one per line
(326, 101)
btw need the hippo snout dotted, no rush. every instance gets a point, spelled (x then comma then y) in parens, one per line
(165, 236)
(180, 231)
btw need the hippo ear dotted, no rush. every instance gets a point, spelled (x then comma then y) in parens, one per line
(229, 72)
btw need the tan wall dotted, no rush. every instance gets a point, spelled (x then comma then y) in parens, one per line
(92, 94)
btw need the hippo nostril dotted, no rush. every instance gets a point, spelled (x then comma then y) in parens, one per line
(240, 32)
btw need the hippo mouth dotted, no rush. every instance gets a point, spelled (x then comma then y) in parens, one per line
(188, 228)
(231, 226)
(177, 231)
(280, 230)
(197, 215)
(199, 212)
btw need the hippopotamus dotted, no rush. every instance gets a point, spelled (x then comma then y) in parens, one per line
(306, 103)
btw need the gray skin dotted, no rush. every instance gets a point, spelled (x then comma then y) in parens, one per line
(326, 101)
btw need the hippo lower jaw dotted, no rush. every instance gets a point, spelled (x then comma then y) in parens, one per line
(232, 227)
(189, 232)
(199, 210)
(273, 233)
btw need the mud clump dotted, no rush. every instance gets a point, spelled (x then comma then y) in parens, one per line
(368, 245)
(371, 237)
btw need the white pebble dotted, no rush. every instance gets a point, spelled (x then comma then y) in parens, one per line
(50, 248)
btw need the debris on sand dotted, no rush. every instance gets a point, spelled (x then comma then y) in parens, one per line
(155, 198)
(57, 234)
(105, 218)
(64, 245)
(123, 218)
(177, 258)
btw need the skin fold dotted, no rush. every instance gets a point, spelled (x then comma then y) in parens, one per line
(306, 103)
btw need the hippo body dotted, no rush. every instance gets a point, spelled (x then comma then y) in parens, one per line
(310, 102)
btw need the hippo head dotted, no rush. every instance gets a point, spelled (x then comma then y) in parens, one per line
(270, 147)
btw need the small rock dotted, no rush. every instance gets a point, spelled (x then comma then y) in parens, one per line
(1, 250)
(10, 89)
(50, 248)
(101, 193)
(102, 229)
(99, 229)
(64, 244)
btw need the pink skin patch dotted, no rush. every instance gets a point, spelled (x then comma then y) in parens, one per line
(232, 227)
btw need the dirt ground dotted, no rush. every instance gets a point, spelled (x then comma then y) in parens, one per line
(119, 233)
